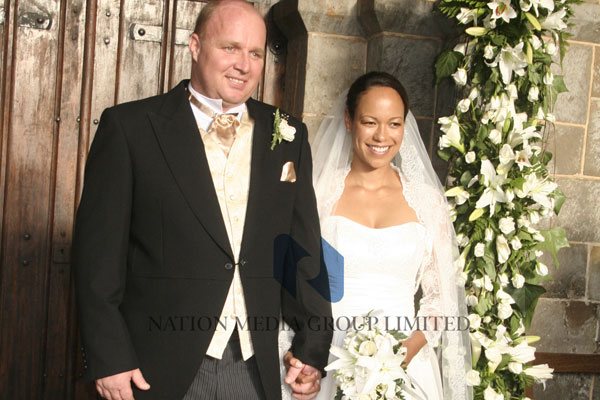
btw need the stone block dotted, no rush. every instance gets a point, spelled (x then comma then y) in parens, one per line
(330, 16)
(312, 124)
(426, 131)
(594, 277)
(416, 17)
(411, 60)
(565, 327)
(586, 22)
(446, 99)
(572, 106)
(569, 278)
(333, 63)
(566, 145)
(592, 151)
(579, 215)
(596, 72)
(564, 386)
(596, 388)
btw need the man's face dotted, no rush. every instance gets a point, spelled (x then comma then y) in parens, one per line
(229, 57)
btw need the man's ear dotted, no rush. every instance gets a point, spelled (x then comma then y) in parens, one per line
(194, 46)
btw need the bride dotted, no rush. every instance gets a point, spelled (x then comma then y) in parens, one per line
(382, 208)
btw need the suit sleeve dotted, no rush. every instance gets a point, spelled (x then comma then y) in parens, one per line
(309, 313)
(100, 247)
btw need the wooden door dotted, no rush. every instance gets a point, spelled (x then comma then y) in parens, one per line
(61, 63)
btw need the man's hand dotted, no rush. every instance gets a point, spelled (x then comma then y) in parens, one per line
(305, 380)
(118, 387)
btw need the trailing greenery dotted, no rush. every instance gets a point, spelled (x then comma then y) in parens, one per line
(498, 180)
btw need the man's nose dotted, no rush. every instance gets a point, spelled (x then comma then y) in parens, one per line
(243, 62)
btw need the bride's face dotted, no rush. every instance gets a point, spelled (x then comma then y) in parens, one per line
(377, 127)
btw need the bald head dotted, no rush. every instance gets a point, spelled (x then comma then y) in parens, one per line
(209, 9)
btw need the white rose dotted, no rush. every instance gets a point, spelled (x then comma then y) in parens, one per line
(487, 283)
(489, 234)
(548, 78)
(515, 243)
(538, 253)
(478, 283)
(536, 43)
(473, 378)
(534, 217)
(470, 157)
(495, 136)
(460, 48)
(534, 93)
(488, 52)
(479, 250)
(493, 354)
(463, 105)
(513, 93)
(474, 94)
(367, 348)
(504, 310)
(515, 367)
(502, 249)
(490, 394)
(487, 319)
(472, 300)
(510, 195)
(541, 269)
(474, 321)
(287, 132)
(523, 221)
(518, 281)
(460, 77)
(462, 239)
(550, 48)
(503, 280)
(525, 6)
(507, 225)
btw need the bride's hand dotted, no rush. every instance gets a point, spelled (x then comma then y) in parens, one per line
(413, 344)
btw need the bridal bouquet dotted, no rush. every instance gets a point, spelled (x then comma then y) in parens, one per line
(369, 366)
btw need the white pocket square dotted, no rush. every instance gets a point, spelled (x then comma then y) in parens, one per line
(288, 174)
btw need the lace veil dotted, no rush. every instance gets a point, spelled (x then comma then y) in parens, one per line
(332, 156)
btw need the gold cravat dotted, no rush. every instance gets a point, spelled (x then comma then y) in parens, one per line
(223, 127)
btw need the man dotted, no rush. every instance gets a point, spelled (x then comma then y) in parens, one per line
(174, 242)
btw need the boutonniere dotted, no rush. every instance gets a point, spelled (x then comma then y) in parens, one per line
(281, 129)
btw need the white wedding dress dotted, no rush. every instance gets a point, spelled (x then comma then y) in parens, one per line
(382, 271)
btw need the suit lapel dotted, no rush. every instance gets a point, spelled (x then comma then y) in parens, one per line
(260, 146)
(183, 149)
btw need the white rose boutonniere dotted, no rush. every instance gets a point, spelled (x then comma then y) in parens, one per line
(282, 130)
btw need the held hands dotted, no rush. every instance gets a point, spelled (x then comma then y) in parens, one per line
(304, 379)
(118, 387)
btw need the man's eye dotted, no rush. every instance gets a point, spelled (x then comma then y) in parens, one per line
(228, 48)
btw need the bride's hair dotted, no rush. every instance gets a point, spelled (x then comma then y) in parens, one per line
(370, 80)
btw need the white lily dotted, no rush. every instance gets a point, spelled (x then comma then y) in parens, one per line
(534, 93)
(537, 189)
(522, 353)
(451, 128)
(540, 373)
(466, 15)
(547, 4)
(555, 21)
(493, 192)
(460, 194)
(502, 249)
(501, 9)
(512, 59)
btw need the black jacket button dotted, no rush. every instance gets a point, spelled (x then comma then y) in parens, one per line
(228, 266)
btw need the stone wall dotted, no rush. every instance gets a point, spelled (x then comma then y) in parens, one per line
(335, 41)
(568, 315)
